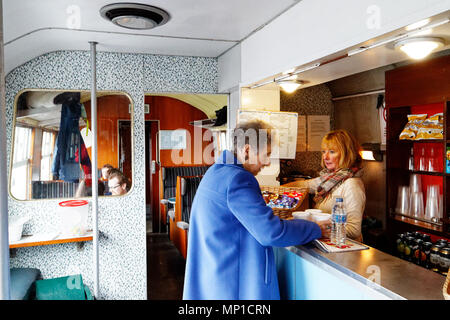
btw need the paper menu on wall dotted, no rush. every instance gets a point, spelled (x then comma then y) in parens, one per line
(318, 127)
(285, 124)
(301, 134)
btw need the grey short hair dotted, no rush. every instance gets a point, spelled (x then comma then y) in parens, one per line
(255, 133)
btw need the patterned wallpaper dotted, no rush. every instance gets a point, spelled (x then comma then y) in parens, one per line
(122, 244)
(315, 100)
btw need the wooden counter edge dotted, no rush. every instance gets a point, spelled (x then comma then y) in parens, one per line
(49, 242)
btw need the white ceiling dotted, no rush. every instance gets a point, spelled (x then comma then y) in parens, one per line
(196, 28)
(370, 59)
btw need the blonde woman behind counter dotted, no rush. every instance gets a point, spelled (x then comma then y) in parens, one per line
(341, 177)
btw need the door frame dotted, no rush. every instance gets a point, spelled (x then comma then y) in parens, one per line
(157, 172)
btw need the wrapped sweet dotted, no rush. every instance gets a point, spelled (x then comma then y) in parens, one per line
(287, 200)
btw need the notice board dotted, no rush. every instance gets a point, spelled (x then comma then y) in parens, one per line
(285, 125)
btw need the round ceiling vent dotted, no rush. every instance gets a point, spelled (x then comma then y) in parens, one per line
(134, 15)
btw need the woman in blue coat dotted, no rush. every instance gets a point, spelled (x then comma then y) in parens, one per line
(232, 231)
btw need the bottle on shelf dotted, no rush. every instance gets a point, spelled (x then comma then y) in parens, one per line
(338, 223)
(400, 245)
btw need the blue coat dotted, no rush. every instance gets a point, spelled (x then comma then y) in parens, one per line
(68, 141)
(231, 234)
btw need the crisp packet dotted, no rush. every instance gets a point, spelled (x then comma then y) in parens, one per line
(412, 127)
(431, 128)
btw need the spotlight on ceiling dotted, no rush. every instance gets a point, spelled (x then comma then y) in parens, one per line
(134, 15)
(290, 86)
(419, 47)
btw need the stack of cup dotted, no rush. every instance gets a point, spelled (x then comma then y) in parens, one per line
(416, 205)
(415, 183)
(416, 208)
(402, 200)
(432, 211)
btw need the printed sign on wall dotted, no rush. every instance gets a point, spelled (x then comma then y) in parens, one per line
(172, 139)
(318, 127)
(285, 125)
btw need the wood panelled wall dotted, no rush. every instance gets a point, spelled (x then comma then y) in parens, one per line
(110, 109)
(174, 114)
(171, 113)
(419, 84)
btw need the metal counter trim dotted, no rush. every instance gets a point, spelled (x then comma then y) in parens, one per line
(350, 266)
(309, 253)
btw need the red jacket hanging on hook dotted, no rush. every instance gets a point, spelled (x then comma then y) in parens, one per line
(85, 163)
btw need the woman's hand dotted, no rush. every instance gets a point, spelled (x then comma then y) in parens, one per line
(325, 227)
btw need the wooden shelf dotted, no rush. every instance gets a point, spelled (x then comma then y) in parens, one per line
(417, 141)
(44, 239)
(430, 173)
(418, 223)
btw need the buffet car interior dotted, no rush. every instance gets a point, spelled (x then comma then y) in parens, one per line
(87, 93)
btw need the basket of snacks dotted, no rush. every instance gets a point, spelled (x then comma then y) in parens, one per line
(446, 288)
(284, 200)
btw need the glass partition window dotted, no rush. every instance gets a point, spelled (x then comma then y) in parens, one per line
(46, 155)
(21, 163)
(52, 145)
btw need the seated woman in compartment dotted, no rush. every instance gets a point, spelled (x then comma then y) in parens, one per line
(341, 177)
(117, 182)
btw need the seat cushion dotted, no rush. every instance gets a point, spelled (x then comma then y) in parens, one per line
(22, 282)
(62, 288)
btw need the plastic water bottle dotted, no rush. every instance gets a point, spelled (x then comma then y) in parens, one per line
(338, 223)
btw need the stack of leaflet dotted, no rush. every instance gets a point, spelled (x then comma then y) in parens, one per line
(350, 245)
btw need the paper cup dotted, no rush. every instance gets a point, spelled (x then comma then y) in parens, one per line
(301, 215)
(313, 211)
(316, 217)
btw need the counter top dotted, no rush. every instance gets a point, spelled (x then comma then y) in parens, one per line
(399, 279)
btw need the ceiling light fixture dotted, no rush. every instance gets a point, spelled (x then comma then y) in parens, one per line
(419, 47)
(412, 33)
(289, 86)
(134, 15)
